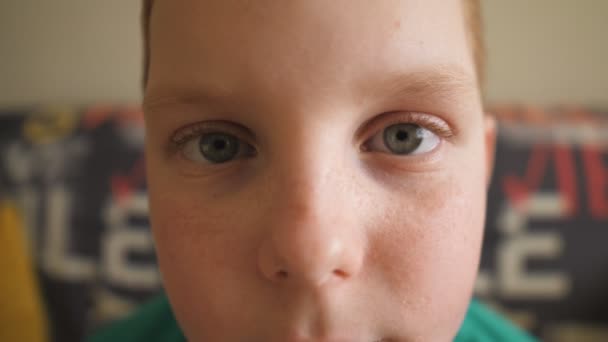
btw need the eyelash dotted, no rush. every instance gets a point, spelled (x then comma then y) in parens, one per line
(184, 135)
(432, 123)
(374, 126)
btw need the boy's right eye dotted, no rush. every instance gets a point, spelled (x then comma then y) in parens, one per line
(216, 148)
(209, 145)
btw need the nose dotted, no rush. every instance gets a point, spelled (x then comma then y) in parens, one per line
(312, 237)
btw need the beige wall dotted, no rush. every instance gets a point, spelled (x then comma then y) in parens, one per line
(83, 51)
(69, 51)
(547, 51)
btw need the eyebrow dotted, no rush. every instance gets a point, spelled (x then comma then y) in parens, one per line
(184, 95)
(437, 82)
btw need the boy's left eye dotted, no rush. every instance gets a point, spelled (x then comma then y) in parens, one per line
(403, 139)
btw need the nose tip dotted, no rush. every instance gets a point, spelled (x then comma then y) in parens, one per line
(308, 260)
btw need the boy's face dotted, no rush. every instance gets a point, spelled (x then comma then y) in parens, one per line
(317, 169)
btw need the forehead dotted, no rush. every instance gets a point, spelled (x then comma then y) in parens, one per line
(299, 45)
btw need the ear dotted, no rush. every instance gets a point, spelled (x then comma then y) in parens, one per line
(490, 145)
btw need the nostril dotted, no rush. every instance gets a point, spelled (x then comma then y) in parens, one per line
(282, 274)
(340, 273)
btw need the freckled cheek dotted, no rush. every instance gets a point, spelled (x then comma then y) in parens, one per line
(426, 249)
(196, 238)
(206, 258)
(203, 237)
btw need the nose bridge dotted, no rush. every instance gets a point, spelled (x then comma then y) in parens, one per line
(311, 237)
(305, 169)
(304, 189)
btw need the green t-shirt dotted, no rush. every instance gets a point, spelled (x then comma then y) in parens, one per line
(154, 322)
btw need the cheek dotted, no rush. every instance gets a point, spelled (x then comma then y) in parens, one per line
(195, 224)
(184, 224)
(426, 247)
(204, 253)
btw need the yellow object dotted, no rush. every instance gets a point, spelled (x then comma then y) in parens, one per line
(49, 125)
(22, 317)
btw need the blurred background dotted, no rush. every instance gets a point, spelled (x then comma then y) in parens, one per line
(75, 52)
(72, 192)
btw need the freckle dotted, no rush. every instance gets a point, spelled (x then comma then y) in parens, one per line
(397, 24)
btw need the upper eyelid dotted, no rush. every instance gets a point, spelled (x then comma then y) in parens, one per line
(428, 121)
(183, 134)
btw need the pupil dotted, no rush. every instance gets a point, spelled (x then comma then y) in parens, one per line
(402, 135)
(219, 144)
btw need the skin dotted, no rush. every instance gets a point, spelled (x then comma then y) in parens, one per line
(321, 233)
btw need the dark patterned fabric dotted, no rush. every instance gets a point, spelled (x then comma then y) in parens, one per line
(544, 260)
(78, 176)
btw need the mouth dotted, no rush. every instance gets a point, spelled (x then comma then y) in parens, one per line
(342, 338)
